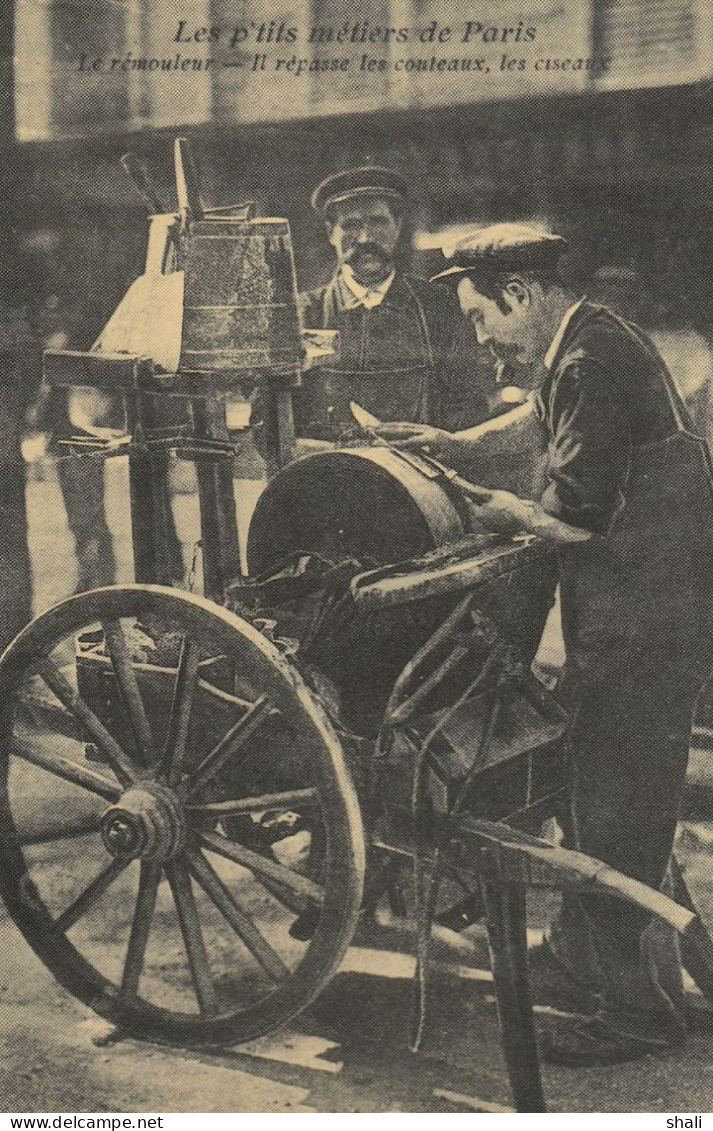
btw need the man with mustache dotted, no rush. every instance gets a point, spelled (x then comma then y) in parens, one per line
(627, 499)
(405, 350)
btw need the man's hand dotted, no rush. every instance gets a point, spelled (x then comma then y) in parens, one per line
(501, 511)
(505, 513)
(412, 436)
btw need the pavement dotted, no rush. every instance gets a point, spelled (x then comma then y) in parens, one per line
(348, 1053)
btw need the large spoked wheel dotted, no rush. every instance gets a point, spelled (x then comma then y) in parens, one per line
(180, 841)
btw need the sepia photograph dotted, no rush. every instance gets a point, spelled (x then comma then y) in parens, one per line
(356, 618)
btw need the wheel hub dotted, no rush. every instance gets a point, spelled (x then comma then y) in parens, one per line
(147, 823)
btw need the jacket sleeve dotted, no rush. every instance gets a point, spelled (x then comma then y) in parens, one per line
(589, 448)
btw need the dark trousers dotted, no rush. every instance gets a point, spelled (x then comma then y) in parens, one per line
(81, 480)
(628, 745)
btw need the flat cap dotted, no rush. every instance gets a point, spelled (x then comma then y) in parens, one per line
(367, 180)
(503, 247)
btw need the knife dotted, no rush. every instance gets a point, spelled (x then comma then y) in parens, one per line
(431, 467)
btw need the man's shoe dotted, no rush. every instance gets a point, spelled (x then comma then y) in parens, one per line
(552, 984)
(593, 1041)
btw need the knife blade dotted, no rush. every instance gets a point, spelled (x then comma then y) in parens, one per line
(364, 419)
(425, 463)
(368, 423)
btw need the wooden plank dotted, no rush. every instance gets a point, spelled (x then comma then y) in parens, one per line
(67, 368)
(529, 860)
(473, 1103)
(446, 570)
(129, 373)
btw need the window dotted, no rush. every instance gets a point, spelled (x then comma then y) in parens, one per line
(654, 42)
(85, 67)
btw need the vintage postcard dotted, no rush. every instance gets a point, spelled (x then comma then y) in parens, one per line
(357, 504)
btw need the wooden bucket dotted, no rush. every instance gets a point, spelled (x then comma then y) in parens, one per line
(240, 298)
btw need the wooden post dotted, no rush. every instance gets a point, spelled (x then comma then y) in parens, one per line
(279, 430)
(507, 940)
(219, 523)
(153, 535)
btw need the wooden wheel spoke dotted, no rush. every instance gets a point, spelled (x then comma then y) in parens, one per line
(60, 686)
(235, 914)
(180, 882)
(289, 899)
(43, 712)
(262, 867)
(129, 690)
(90, 895)
(140, 928)
(230, 743)
(289, 799)
(66, 769)
(181, 708)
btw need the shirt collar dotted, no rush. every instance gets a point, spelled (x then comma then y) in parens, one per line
(357, 295)
(559, 336)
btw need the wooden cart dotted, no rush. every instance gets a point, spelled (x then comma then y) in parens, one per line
(203, 796)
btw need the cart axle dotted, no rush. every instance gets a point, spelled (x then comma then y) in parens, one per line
(147, 823)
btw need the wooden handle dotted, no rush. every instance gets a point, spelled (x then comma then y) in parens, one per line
(137, 171)
(189, 200)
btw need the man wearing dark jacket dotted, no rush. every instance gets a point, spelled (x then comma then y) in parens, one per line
(406, 351)
(19, 365)
(625, 470)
